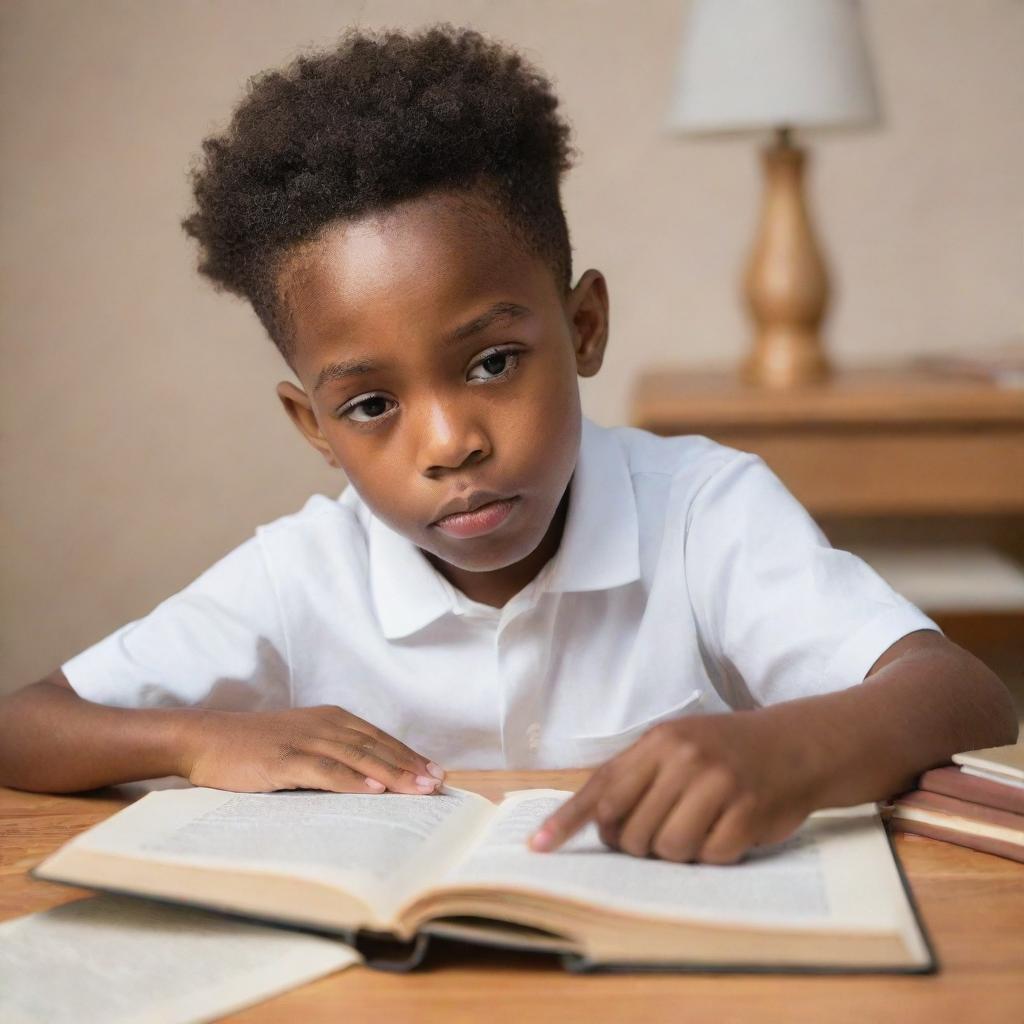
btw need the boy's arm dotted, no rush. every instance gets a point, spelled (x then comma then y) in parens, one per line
(51, 740)
(924, 700)
(710, 787)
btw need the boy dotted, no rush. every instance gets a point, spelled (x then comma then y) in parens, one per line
(505, 583)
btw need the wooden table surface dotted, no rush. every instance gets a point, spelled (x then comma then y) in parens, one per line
(972, 904)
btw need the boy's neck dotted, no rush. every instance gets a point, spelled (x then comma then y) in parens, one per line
(496, 588)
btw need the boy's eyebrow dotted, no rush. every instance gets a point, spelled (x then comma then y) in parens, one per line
(349, 367)
(512, 310)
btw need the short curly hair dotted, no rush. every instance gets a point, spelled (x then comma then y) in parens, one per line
(382, 118)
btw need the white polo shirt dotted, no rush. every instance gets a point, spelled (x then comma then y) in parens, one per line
(688, 581)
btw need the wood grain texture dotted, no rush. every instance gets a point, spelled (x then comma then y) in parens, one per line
(972, 904)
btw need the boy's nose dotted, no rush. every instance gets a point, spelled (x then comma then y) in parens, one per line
(449, 441)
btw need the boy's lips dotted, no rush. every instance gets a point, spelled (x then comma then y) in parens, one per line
(476, 515)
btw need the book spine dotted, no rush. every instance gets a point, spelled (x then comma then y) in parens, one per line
(948, 805)
(950, 781)
(384, 953)
(984, 844)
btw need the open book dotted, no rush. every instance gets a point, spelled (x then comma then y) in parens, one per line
(403, 868)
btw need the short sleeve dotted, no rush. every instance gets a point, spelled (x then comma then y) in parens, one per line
(782, 612)
(217, 643)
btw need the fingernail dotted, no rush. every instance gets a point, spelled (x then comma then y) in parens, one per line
(435, 769)
(373, 784)
(542, 840)
(423, 782)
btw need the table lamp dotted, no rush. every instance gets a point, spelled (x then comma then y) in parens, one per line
(782, 66)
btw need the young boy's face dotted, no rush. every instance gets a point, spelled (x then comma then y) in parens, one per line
(438, 359)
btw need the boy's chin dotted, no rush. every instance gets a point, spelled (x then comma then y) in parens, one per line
(482, 555)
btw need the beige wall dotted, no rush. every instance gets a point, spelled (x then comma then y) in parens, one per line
(141, 435)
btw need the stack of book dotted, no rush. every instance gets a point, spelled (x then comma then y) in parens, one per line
(976, 802)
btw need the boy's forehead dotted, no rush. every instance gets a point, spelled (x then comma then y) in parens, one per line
(420, 264)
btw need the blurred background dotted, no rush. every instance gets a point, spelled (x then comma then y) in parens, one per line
(141, 435)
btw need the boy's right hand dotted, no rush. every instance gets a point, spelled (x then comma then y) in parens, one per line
(321, 747)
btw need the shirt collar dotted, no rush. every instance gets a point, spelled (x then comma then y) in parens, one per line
(599, 548)
(407, 591)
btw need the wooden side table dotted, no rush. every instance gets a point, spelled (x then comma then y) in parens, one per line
(869, 442)
(878, 455)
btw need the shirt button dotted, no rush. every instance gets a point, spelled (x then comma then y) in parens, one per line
(533, 735)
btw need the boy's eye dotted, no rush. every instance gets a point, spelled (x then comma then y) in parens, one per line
(496, 364)
(372, 408)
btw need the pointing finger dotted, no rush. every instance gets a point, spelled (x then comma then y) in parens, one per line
(587, 804)
(567, 820)
(609, 794)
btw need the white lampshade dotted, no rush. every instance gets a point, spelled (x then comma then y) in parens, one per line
(754, 64)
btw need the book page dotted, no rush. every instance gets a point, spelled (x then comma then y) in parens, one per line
(127, 961)
(380, 843)
(835, 870)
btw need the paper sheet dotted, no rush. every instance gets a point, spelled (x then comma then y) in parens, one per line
(116, 960)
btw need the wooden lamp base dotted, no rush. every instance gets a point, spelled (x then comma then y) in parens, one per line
(786, 285)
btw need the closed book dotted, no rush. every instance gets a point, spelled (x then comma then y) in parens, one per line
(968, 840)
(998, 764)
(975, 826)
(953, 782)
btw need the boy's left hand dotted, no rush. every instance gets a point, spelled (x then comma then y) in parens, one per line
(702, 788)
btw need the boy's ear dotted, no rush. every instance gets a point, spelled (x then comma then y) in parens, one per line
(588, 316)
(300, 412)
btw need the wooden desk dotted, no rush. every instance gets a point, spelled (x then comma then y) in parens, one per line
(972, 905)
